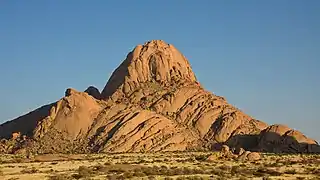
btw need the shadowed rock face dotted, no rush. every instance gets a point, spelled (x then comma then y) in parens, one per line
(94, 92)
(152, 102)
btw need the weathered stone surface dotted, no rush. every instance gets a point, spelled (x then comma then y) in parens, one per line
(280, 138)
(239, 151)
(225, 149)
(152, 102)
(244, 156)
(155, 61)
(254, 156)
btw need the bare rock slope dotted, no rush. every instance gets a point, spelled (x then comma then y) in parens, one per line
(152, 102)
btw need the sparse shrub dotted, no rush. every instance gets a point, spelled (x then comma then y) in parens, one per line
(265, 171)
(18, 160)
(112, 177)
(83, 172)
(195, 178)
(14, 178)
(151, 177)
(59, 177)
(139, 174)
(217, 172)
(168, 178)
(197, 171)
(266, 178)
(120, 177)
(225, 168)
(29, 170)
(150, 170)
(186, 170)
(128, 175)
(181, 178)
(235, 170)
(141, 161)
(316, 171)
(242, 178)
(190, 178)
(301, 178)
(175, 171)
(290, 171)
(107, 163)
(201, 158)
(117, 170)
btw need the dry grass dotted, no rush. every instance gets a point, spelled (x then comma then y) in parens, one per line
(188, 165)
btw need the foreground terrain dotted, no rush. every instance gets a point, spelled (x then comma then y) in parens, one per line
(173, 165)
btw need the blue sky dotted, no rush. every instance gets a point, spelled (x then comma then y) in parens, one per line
(263, 56)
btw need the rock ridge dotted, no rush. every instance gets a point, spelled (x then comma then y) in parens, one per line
(152, 102)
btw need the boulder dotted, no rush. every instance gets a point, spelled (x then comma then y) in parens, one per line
(254, 156)
(243, 156)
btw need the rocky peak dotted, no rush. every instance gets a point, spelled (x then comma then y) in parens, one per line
(154, 61)
(70, 91)
(93, 91)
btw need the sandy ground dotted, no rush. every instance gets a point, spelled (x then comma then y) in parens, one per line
(190, 165)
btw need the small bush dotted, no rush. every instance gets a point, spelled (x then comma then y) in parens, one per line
(225, 168)
(107, 163)
(152, 177)
(128, 175)
(217, 172)
(139, 174)
(168, 178)
(242, 178)
(83, 172)
(266, 178)
(301, 178)
(290, 171)
(112, 177)
(29, 170)
(117, 170)
(235, 170)
(265, 171)
(201, 158)
(59, 177)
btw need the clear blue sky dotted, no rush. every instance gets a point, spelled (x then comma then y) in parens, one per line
(263, 56)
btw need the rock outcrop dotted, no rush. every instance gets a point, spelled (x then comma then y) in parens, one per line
(152, 102)
(94, 92)
(155, 61)
(280, 138)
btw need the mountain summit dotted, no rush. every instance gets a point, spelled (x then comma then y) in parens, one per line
(152, 102)
(155, 61)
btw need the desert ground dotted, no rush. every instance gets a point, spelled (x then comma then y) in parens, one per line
(165, 165)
